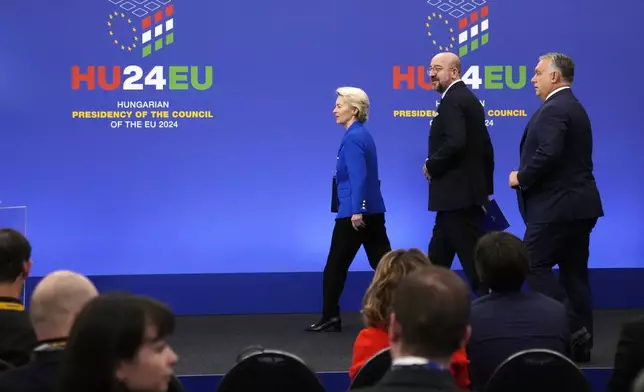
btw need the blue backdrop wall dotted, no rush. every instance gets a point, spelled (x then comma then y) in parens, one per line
(109, 177)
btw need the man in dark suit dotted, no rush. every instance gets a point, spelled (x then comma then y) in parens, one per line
(509, 320)
(459, 168)
(429, 322)
(558, 197)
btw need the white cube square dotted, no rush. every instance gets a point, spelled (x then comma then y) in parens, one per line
(147, 36)
(169, 24)
(474, 30)
(158, 30)
(484, 25)
(462, 37)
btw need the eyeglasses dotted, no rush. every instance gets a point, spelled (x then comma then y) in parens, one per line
(437, 69)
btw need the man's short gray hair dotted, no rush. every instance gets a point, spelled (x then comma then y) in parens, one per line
(562, 64)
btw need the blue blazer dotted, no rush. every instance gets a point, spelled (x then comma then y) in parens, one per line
(356, 173)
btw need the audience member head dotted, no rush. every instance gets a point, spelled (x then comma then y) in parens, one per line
(392, 267)
(554, 70)
(56, 301)
(444, 69)
(351, 104)
(502, 261)
(118, 343)
(15, 262)
(430, 315)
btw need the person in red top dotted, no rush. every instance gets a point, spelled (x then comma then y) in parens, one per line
(393, 266)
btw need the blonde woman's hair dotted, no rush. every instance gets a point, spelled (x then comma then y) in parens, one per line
(357, 99)
(392, 267)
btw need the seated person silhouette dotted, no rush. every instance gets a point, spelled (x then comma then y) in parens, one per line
(119, 342)
(55, 302)
(509, 320)
(428, 323)
(393, 267)
(17, 337)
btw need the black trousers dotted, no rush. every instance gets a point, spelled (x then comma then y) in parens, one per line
(456, 233)
(345, 243)
(565, 244)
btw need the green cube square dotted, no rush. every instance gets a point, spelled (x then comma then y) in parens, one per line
(158, 44)
(147, 50)
(474, 45)
(462, 51)
(169, 38)
(485, 38)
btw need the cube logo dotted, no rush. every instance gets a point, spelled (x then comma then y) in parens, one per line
(141, 26)
(458, 24)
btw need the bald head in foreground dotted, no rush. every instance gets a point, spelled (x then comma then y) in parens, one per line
(56, 301)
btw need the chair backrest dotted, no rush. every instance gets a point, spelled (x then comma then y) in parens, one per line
(373, 370)
(538, 370)
(175, 385)
(270, 370)
(4, 366)
(638, 382)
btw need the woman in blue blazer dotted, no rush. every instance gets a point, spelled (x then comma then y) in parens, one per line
(360, 219)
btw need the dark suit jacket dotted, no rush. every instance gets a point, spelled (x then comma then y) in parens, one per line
(38, 376)
(358, 185)
(629, 357)
(461, 156)
(556, 181)
(17, 337)
(412, 379)
(503, 324)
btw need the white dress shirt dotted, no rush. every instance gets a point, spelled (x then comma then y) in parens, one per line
(451, 84)
(409, 361)
(556, 91)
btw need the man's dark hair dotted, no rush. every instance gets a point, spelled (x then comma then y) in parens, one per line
(15, 250)
(502, 261)
(432, 306)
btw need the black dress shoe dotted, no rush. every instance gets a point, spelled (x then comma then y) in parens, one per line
(581, 354)
(581, 346)
(326, 325)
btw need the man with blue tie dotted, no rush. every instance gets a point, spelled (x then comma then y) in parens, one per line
(360, 218)
(558, 196)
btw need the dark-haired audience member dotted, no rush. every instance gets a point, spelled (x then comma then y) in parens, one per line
(392, 268)
(118, 343)
(17, 337)
(55, 302)
(429, 322)
(629, 356)
(509, 320)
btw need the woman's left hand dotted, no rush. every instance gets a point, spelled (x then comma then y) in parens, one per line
(357, 222)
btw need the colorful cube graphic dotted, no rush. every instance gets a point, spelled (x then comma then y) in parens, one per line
(152, 28)
(158, 30)
(472, 23)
